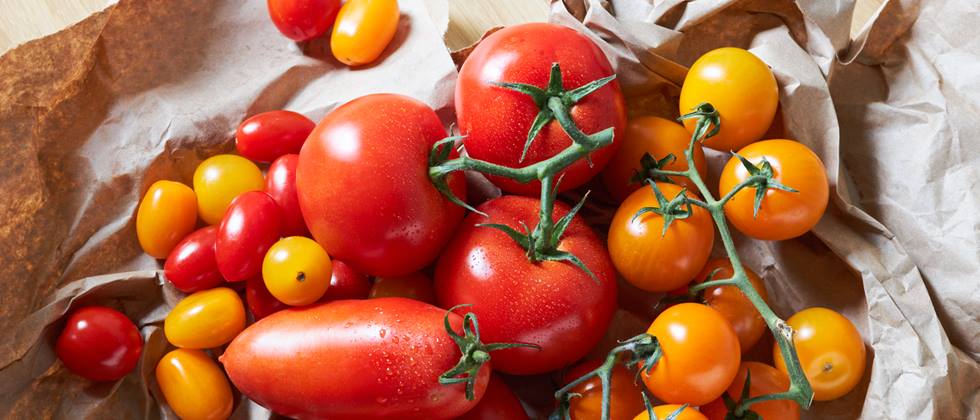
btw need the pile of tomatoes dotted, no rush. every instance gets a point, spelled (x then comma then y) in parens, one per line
(368, 293)
(361, 28)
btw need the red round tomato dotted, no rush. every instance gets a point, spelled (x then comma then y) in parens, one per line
(765, 379)
(554, 305)
(192, 266)
(302, 20)
(280, 184)
(498, 403)
(267, 136)
(496, 120)
(99, 343)
(364, 187)
(353, 359)
(248, 230)
(625, 397)
(345, 283)
(260, 301)
(416, 286)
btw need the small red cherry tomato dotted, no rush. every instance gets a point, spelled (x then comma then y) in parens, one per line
(280, 184)
(498, 403)
(345, 283)
(248, 230)
(267, 136)
(260, 301)
(302, 20)
(192, 266)
(416, 286)
(99, 343)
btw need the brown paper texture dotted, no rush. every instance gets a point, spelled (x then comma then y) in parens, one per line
(143, 91)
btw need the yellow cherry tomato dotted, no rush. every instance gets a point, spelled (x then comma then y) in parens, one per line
(831, 352)
(194, 386)
(166, 215)
(743, 90)
(220, 179)
(297, 270)
(363, 29)
(205, 319)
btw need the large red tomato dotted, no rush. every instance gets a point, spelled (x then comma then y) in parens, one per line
(353, 359)
(496, 120)
(364, 187)
(553, 304)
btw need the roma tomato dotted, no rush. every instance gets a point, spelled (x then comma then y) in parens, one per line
(205, 319)
(625, 398)
(194, 386)
(363, 29)
(765, 380)
(553, 304)
(372, 153)
(260, 302)
(659, 137)
(99, 343)
(166, 215)
(191, 266)
(397, 347)
(496, 120)
(700, 355)
(296, 271)
(248, 230)
(221, 178)
(267, 136)
(302, 20)
(664, 411)
(741, 87)
(416, 286)
(650, 258)
(831, 352)
(280, 184)
(345, 283)
(732, 304)
(498, 403)
(783, 214)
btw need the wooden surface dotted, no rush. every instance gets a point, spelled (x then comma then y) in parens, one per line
(23, 20)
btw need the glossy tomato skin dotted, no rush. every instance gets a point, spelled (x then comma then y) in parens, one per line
(729, 301)
(194, 386)
(372, 153)
(416, 286)
(663, 411)
(496, 120)
(346, 283)
(191, 266)
(297, 270)
(363, 29)
(830, 349)
(167, 213)
(498, 403)
(552, 304)
(625, 398)
(701, 355)
(267, 136)
(301, 362)
(743, 90)
(765, 380)
(302, 20)
(205, 319)
(250, 227)
(260, 301)
(783, 214)
(280, 184)
(99, 343)
(219, 179)
(649, 258)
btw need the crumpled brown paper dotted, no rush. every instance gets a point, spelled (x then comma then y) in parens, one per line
(91, 116)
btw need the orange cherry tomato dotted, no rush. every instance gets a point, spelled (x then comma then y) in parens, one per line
(194, 386)
(651, 259)
(166, 215)
(297, 270)
(664, 411)
(830, 349)
(625, 398)
(416, 286)
(205, 319)
(783, 214)
(732, 304)
(659, 137)
(363, 29)
(700, 358)
(743, 90)
(765, 380)
(221, 178)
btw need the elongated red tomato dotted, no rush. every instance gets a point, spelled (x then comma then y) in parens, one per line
(352, 359)
(498, 403)
(267, 136)
(280, 184)
(99, 343)
(302, 20)
(496, 120)
(192, 266)
(553, 304)
(364, 187)
(248, 230)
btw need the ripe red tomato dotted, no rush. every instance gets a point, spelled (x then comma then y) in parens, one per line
(267, 136)
(498, 403)
(302, 20)
(373, 153)
(416, 286)
(732, 304)
(353, 359)
(765, 380)
(345, 283)
(553, 304)
(496, 120)
(260, 301)
(248, 230)
(280, 184)
(192, 266)
(625, 398)
(99, 343)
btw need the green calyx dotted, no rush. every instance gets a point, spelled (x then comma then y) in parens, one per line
(650, 168)
(762, 178)
(678, 208)
(653, 416)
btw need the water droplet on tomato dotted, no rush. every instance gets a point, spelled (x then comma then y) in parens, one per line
(382, 332)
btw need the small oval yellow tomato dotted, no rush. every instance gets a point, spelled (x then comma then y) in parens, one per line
(297, 270)
(363, 29)
(830, 349)
(166, 215)
(194, 386)
(205, 319)
(220, 179)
